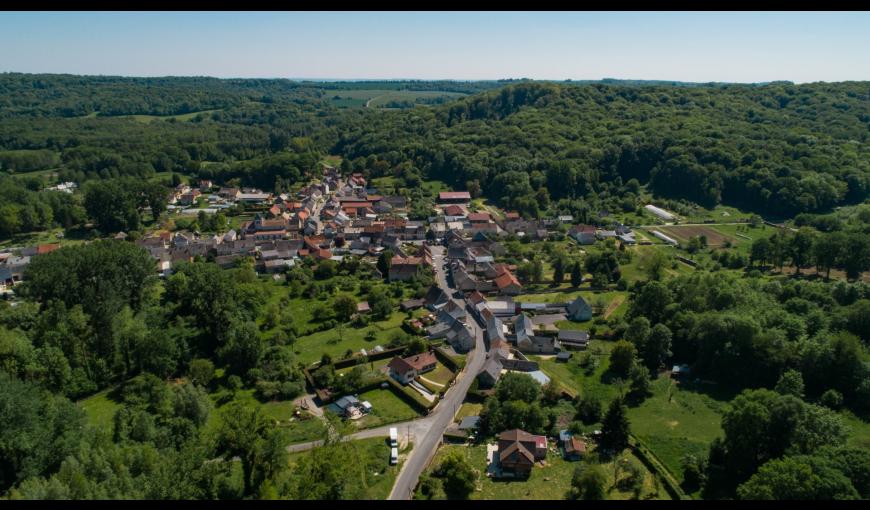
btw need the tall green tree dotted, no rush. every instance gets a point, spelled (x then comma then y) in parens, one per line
(615, 426)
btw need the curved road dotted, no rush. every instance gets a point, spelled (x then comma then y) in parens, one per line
(428, 431)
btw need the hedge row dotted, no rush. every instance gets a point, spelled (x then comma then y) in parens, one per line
(655, 465)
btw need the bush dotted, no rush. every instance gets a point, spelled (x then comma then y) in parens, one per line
(589, 409)
(832, 399)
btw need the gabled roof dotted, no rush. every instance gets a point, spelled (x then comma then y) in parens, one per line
(568, 335)
(577, 305)
(479, 217)
(436, 295)
(454, 195)
(506, 279)
(575, 445)
(476, 297)
(416, 362)
(453, 210)
(516, 448)
(516, 435)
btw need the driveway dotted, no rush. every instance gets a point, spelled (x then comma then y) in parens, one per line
(548, 319)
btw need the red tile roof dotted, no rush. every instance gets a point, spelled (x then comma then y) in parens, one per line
(453, 210)
(506, 279)
(42, 249)
(421, 360)
(409, 261)
(479, 217)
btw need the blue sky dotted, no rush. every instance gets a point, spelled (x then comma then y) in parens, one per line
(701, 47)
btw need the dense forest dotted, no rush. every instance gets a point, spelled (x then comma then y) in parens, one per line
(777, 149)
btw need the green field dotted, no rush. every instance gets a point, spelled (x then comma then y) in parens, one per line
(632, 271)
(386, 408)
(380, 97)
(574, 377)
(411, 95)
(43, 237)
(677, 420)
(151, 118)
(100, 409)
(312, 347)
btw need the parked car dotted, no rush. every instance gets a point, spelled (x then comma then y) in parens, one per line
(394, 437)
(394, 456)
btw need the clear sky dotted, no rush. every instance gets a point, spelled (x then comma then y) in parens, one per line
(699, 47)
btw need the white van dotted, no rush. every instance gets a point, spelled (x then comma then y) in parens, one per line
(394, 456)
(394, 437)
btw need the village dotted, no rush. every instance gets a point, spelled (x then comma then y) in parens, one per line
(477, 327)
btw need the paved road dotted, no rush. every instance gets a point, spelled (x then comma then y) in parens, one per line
(426, 432)
(444, 413)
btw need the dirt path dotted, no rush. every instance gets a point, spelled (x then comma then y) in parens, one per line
(613, 306)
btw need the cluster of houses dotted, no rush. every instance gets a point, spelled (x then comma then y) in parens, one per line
(589, 234)
(334, 217)
(324, 220)
(510, 332)
(14, 262)
(184, 196)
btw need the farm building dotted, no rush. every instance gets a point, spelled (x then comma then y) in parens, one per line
(664, 238)
(460, 197)
(659, 212)
(579, 310)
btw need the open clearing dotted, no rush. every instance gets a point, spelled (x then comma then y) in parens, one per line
(682, 233)
(386, 408)
(376, 98)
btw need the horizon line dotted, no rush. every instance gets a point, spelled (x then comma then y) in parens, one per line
(468, 80)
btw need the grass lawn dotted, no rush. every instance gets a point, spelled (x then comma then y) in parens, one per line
(859, 433)
(440, 375)
(719, 214)
(559, 295)
(468, 409)
(372, 367)
(384, 184)
(574, 377)
(386, 408)
(371, 452)
(677, 420)
(332, 160)
(550, 482)
(100, 409)
(312, 347)
(42, 237)
(294, 429)
(632, 271)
